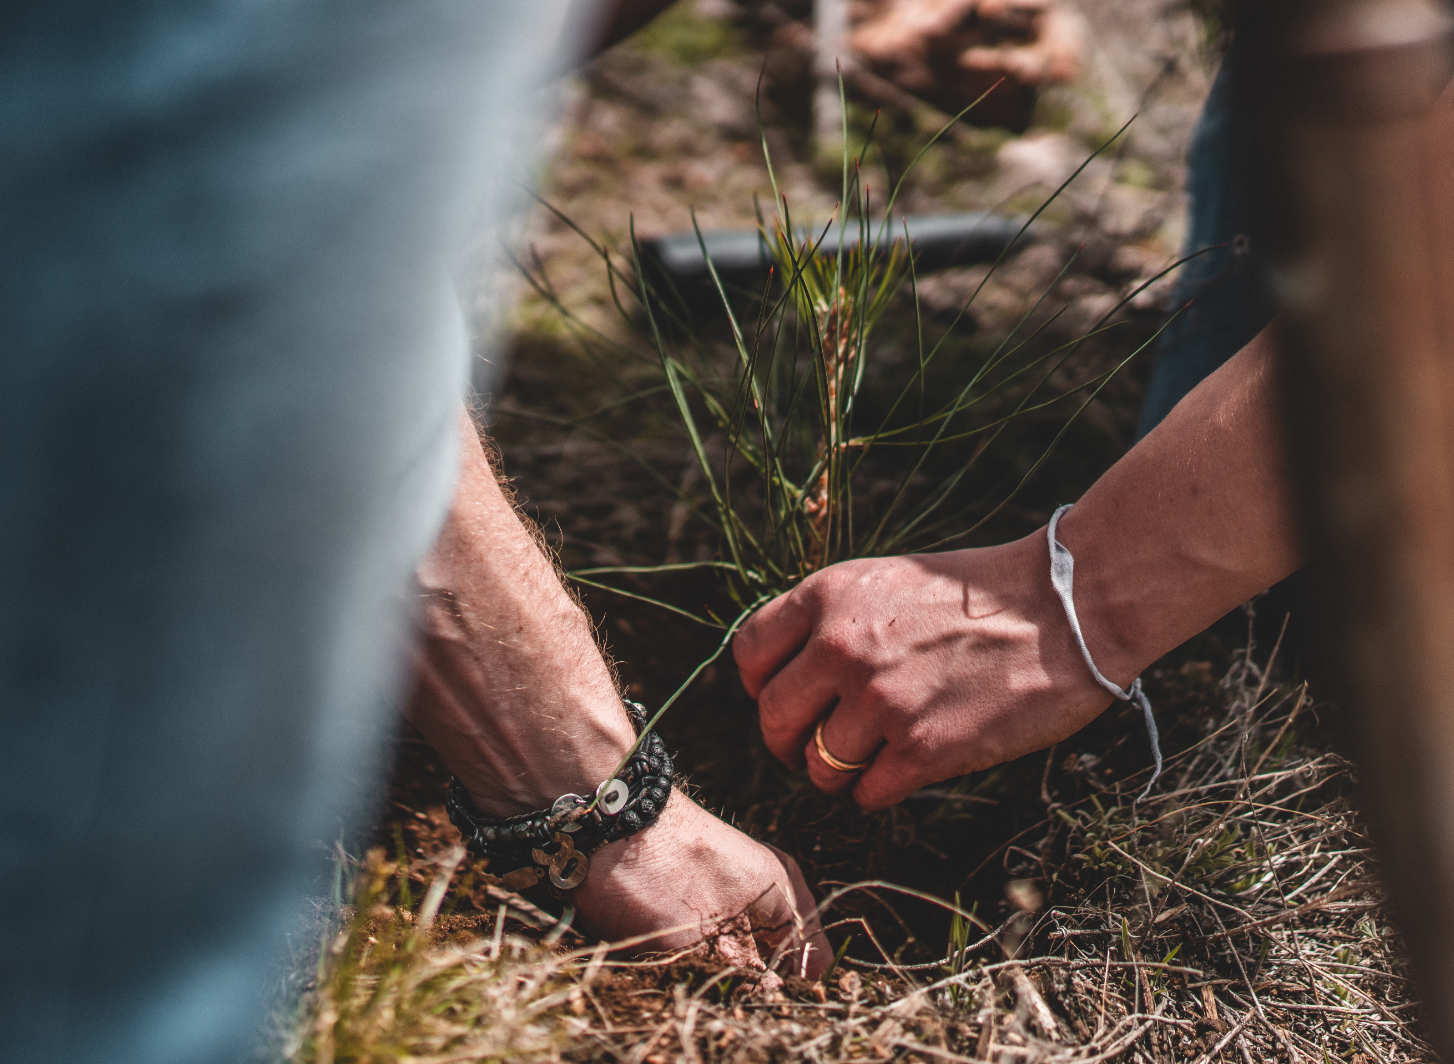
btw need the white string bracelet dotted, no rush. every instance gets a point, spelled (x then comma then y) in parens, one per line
(1062, 575)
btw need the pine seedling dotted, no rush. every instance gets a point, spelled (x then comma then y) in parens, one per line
(787, 418)
(773, 405)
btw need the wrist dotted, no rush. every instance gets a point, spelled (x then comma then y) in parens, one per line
(651, 859)
(552, 846)
(1107, 605)
(1018, 591)
(517, 741)
(529, 770)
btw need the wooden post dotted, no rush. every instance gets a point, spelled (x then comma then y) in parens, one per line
(1358, 219)
(830, 28)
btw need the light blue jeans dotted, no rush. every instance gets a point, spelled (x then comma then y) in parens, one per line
(230, 357)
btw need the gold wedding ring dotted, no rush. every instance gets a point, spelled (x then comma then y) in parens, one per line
(833, 762)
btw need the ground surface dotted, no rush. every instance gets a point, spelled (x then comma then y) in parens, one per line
(1108, 932)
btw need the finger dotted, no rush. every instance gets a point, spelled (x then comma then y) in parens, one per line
(812, 952)
(732, 942)
(1025, 63)
(891, 778)
(772, 636)
(850, 734)
(1006, 9)
(791, 705)
(1063, 37)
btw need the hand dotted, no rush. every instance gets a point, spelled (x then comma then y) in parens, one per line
(513, 692)
(939, 664)
(931, 665)
(919, 44)
(1053, 54)
(689, 877)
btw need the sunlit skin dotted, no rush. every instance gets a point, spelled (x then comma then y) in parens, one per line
(916, 43)
(940, 664)
(514, 693)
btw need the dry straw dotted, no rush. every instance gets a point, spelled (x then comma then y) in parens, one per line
(1234, 916)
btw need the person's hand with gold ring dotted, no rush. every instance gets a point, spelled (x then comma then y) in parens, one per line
(837, 764)
(885, 674)
(929, 666)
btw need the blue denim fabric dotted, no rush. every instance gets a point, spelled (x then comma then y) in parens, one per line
(230, 354)
(1226, 303)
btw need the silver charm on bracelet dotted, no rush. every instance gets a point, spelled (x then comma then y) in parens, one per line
(611, 796)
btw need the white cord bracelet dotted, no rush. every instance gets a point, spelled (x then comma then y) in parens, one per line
(1062, 576)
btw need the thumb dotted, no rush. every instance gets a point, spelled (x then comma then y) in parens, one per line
(792, 928)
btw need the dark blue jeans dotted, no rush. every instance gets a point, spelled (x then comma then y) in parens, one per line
(1225, 301)
(230, 358)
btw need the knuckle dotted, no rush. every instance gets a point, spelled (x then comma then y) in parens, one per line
(879, 692)
(753, 681)
(917, 744)
(820, 590)
(837, 645)
(805, 600)
(780, 745)
(783, 742)
(772, 714)
(749, 648)
(823, 583)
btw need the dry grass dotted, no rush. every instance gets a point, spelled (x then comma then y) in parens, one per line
(1233, 916)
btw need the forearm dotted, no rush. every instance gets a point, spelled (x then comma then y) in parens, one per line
(1194, 520)
(515, 695)
(510, 668)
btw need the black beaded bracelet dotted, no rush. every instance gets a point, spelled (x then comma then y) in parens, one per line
(555, 844)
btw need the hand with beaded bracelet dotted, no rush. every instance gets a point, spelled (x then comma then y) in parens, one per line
(514, 693)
